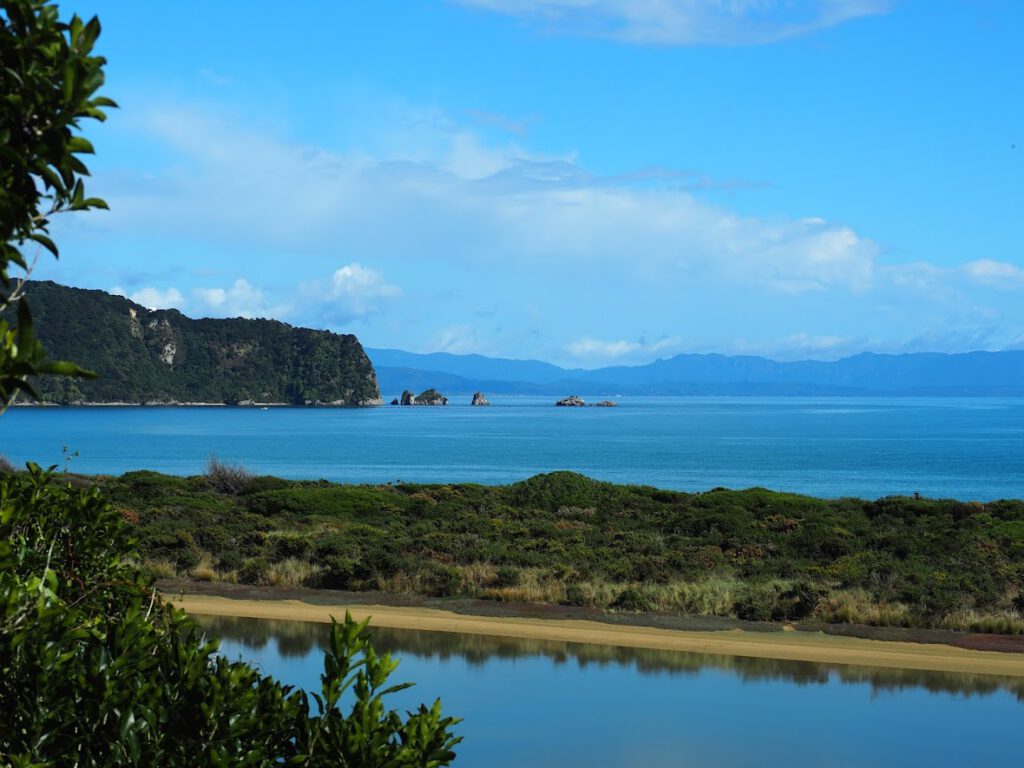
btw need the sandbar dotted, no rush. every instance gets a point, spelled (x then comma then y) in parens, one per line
(790, 646)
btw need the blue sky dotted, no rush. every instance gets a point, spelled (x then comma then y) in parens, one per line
(581, 181)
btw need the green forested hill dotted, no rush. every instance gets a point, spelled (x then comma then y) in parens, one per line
(161, 356)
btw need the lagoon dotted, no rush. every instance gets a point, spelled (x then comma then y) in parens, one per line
(543, 703)
(966, 448)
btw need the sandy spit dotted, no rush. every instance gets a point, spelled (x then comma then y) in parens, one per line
(792, 646)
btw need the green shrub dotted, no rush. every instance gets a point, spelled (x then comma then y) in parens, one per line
(254, 571)
(338, 573)
(799, 601)
(295, 547)
(441, 580)
(574, 595)
(230, 560)
(633, 600)
(186, 559)
(757, 602)
(507, 576)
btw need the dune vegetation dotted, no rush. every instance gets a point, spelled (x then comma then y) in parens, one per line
(565, 539)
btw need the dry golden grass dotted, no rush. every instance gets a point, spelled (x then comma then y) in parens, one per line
(1006, 623)
(291, 573)
(204, 570)
(161, 569)
(854, 606)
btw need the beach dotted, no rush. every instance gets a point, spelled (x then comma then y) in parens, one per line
(789, 645)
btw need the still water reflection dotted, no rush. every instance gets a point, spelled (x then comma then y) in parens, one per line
(547, 703)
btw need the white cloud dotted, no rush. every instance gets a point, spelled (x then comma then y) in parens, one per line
(466, 204)
(814, 346)
(686, 22)
(457, 340)
(595, 348)
(995, 274)
(353, 292)
(446, 209)
(153, 298)
(240, 299)
(360, 285)
(592, 350)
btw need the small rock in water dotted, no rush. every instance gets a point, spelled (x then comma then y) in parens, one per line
(606, 404)
(395, 401)
(572, 401)
(479, 399)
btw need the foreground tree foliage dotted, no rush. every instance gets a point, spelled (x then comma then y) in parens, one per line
(49, 83)
(96, 670)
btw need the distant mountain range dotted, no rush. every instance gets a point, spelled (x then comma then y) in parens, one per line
(970, 373)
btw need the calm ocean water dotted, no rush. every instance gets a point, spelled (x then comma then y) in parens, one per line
(538, 703)
(965, 448)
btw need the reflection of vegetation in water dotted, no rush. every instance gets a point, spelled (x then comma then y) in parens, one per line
(295, 639)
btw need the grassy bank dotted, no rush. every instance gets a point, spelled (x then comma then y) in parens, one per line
(563, 538)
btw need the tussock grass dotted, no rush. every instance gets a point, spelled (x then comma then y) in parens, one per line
(161, 569)
(713, 596)
(291, 573)
(855, 606)
(205, 569)
(1007, 623)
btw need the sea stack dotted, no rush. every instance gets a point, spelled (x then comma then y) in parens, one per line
(430, 397)
(408, 398)
(572, 401)
(479, 399)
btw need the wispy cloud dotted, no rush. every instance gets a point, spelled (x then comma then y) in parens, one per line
(153, 298)
(445, 208)
(995, 274)
(240, 299)
(458, 340)
(216, 78)
(686, 22)
(465, 201)
(517, 126)
(589, 350)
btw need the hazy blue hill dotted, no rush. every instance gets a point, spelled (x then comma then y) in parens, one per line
(971, 373)
(476, 367)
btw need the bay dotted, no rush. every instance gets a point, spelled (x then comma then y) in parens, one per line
(543, 703)
(966, 448)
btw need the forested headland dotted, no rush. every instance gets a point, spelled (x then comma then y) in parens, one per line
(163, 357)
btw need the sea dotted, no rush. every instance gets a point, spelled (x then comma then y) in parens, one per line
(536, 703)
(963, 448)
